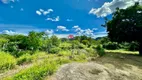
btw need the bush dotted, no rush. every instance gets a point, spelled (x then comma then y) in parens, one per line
(27, 58)
(54, 50)
(65, 46)
(111, 46)
(134, 46)
(100, 50)
(64, 53)
(6, 61)
(19, 53)
(81, 46)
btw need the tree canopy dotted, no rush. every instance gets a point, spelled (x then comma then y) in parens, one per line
(126, 24)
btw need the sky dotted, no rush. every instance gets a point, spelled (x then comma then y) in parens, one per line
(58, 17)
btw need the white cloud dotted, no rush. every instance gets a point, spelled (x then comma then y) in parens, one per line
(62, 28)
(62, 35)
(110, 7)
(49, 32)
(44, 12)
(7, 1)
(47, 12)
(9, 32)
(54, 19)
(75, 27)
(41, 10)
(38, 12)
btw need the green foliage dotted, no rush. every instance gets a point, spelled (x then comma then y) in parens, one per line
(126, 25)
(55, 41)
(85, 42)
(37, 72)
(111, 46)
(27, 58)
(133, 46)
(81, 46)
(54, 50)
(65, 46)
(3, 41)
(6, 61)
(34, 41)
(11, 47)
(100, 50)
(64, 53)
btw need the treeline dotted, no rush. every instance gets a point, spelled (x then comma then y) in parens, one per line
(17, 44)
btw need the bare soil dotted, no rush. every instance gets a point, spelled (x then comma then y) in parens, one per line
(113, 66)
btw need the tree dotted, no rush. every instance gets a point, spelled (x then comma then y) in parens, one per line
(34, 40)
(55, 41)
(126, 25)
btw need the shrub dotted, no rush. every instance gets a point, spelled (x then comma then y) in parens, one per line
(27, 58)
(19, 53)
(6, 61)
(54, 50)
(111, 46)
(133, 46)
(11, 47)
(100, 50)
(64, 53)
(65, 46)
(81, 46)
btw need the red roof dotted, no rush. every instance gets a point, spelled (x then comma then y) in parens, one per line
(70, 36)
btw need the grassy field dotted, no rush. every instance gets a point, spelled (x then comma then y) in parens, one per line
(41, 65)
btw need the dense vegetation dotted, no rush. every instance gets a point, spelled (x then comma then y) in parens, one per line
(126, 25)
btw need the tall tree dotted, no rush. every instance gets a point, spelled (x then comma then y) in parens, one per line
(126, 25)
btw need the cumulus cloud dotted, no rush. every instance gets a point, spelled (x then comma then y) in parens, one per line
(47, 12)
(44, 12)
(87, 32)
(49, 32)
(75, 27)
(110, 7)
(38, 12)
(62, 28)
(54, 19)
(9, 32)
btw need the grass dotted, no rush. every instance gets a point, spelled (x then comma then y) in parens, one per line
(122, 51)
(27, 58)
(6, 62)
(48, 66)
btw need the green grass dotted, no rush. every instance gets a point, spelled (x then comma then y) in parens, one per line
(27, 58)
(49, 65)
(122, 51)
(6, 61)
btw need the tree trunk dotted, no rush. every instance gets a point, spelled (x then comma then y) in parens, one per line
(140, 49)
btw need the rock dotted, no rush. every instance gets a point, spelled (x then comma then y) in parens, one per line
(91, 71)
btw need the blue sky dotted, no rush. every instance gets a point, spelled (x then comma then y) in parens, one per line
(59, 17)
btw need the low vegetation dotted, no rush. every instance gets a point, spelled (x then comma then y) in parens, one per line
(7, 61)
